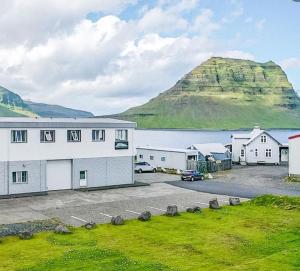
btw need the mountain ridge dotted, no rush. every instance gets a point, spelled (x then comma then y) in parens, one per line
(223, 93)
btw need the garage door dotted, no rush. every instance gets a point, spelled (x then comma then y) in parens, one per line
(59, 174)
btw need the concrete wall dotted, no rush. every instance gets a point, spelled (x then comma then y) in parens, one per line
(261, 147)
(294, 156)
(104, 171)
(61, 148)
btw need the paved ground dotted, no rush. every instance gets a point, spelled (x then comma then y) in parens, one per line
(248, 182)
(75, 208)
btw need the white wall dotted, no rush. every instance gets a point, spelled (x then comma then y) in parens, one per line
(61, 148)
(261, 147)
(237, 145)
(294, 156)
(175, 160)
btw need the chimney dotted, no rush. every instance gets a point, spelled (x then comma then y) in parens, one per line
(256, 129)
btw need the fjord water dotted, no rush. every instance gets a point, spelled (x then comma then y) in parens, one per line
(184, 138)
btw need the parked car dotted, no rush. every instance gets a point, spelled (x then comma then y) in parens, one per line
(141, 167)
(191, 175)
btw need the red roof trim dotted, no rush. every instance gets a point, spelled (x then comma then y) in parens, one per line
(294, 136)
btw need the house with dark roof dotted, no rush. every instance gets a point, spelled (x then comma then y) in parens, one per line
(257, 147)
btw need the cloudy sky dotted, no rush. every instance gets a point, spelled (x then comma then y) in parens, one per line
(105, 56)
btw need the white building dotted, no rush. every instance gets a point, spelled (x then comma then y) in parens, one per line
(42, 154)
(255, 148)
(294, 155)
(166, 157)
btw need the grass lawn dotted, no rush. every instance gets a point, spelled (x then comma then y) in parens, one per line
(263, 234)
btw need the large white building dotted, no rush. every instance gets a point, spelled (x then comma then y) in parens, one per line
(257, 147)
(294, 155)
(38, 155)
(171, 158)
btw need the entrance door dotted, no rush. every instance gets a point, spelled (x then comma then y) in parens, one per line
(59, 174)
(83, 178)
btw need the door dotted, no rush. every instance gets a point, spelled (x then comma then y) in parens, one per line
(83, 178)
(59, 174)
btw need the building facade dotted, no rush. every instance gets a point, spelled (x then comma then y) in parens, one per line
(294, 155)
(171, 158)
(38, 155)
(257, 147)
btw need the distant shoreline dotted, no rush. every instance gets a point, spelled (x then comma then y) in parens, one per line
(212, 130)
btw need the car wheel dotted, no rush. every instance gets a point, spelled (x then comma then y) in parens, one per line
(192, 179)
(154, 170)
(140, 171)
(182, 179)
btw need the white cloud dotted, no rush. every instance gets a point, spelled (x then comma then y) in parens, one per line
(260, 24)
(108, 65)
(293, 62)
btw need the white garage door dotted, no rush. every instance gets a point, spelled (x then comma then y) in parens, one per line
(59, 174)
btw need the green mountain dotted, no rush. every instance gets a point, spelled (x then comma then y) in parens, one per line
(12, 105)
(223, 93)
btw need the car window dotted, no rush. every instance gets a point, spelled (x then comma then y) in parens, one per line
(147, 164)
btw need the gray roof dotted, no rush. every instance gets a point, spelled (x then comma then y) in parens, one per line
(167, 149)
(39, 122)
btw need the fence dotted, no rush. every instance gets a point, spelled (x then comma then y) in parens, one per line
(209, 166)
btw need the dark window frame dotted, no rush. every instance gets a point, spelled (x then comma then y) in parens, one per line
(42, 136)
(102, 132)
(14, 137)
(69, 134)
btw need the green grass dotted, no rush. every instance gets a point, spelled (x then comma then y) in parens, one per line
(260, 235)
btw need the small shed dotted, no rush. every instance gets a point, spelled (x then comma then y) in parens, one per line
(171, 158)
(294, 155)
(216, 151)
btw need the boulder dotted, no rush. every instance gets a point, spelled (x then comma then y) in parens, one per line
(25, 235)
(234, 201)
(144, 216)
(214, 204)
(195, 209)
(90, 225)
(118, 220)
(172, 210)
(62, 229)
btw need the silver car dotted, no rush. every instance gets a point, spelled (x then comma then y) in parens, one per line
(141, 167)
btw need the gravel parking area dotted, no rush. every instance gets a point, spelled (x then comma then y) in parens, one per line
(76, 207)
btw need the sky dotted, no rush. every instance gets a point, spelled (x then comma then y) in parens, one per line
(105, 56)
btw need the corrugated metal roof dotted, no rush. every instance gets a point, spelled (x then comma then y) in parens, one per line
(167, 149)
(209, 148)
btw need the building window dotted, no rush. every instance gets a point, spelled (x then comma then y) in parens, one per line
(121, 139)
(19, 177)
(242, 152)
(268, 153)
(151, 157)
(98, 135)
(163, 159)
(263, 139)
(256, 152)
(19, 136)
(74, 135)
(141, 156)
(47, 136)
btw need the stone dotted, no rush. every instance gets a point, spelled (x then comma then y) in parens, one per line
(90, 225)
(118, 220)
(144, 216)
(172, 210)
(62, 229)
(214, 204)
(195, 209)
(234, 201)
(25, 235)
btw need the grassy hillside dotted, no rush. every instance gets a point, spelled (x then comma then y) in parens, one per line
(224, 94)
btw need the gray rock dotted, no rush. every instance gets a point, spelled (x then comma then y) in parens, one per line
(90, 225)
(62, 229)
(214, 204)
(144, 216)
(118, 220)
(195, 209)
(172, 210)
(234, 201)
(25, 235)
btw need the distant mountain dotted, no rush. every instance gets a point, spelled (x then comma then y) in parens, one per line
(49, 110)
(223, 93)
(12, 105)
